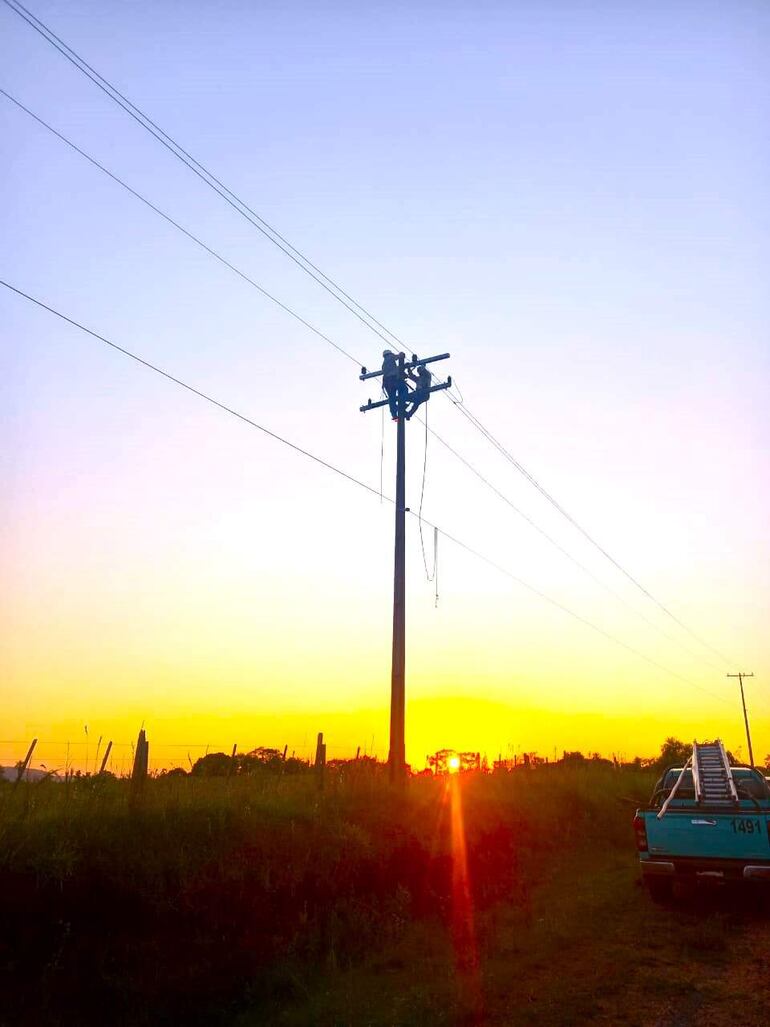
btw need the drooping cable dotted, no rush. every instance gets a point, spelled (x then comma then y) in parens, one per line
(356, 481)
(428, 575)
(382, 446)
(459, 404)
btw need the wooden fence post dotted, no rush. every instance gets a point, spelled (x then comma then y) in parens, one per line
(320, 760)
(21, 770)
(232, 760)
(141, 760)
(106, 756)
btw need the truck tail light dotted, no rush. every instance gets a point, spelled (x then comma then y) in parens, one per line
(640, 830)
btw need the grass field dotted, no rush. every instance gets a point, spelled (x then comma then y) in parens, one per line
(509, 899)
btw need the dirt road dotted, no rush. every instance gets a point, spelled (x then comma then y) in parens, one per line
(586, 947)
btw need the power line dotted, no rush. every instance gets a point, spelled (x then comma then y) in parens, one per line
(191, 388)
(356, 481)
(167, 217)
(322, 335)
(327, 283)
(198, 169)
(533, 481)
(565, 552)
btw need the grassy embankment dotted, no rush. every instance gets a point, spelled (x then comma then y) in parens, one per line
(257, 898)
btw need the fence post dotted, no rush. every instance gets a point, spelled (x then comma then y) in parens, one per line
(141, 760)
(21, 770)
(107, 752)
(320, 760)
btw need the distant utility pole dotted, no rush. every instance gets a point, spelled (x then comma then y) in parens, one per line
(400, 396)
(741, 675)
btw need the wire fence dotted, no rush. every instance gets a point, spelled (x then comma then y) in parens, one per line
(58, 758)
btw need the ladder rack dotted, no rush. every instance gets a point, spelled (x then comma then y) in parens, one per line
(711, 774)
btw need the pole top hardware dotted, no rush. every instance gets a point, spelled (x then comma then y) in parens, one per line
(414, 362)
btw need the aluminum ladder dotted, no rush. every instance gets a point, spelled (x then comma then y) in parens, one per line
(712, 775)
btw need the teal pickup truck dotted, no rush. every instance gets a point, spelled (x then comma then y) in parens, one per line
(705, 820)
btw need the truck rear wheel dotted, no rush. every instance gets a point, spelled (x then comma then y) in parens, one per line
(661, 889)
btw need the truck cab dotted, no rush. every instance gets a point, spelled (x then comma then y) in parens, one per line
(707, 819)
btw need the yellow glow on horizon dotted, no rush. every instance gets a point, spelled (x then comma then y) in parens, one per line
(179, 735)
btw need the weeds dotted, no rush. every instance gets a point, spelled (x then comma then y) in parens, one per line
(214, 892)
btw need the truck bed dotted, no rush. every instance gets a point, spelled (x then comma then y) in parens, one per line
(692, 839)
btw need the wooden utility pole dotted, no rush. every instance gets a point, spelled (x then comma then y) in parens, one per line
(398, 398)
(741, 675)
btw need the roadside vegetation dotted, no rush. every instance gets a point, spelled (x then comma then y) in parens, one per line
(248, 897)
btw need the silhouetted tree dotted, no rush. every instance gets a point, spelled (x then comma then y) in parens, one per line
(672, 753)
(261, 758)
(213, 764)
(573, 757)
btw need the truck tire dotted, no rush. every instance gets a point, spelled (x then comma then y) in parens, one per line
(661, 889)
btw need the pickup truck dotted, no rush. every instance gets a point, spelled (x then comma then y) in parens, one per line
(682, 839)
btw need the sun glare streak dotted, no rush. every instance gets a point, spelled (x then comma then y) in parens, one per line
(463, 927)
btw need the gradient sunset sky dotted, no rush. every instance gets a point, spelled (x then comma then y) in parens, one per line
(571, 198)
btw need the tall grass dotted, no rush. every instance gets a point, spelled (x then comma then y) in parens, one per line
(208, 891)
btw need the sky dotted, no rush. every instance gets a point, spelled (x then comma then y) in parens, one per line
(571, 199)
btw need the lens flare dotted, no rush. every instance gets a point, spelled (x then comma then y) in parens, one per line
(463, 928)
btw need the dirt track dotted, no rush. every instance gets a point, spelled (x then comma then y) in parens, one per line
(588, 947)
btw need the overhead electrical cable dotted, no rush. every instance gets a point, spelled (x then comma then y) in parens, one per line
(167, 217)
(327, 283)
(191, 388)
(356, 481)
(533, 481)
(565, 552)
(322, 335)
(199, 170)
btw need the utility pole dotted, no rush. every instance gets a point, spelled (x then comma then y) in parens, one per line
(741, 675)
(399, 396)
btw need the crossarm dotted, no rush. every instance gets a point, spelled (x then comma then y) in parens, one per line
(414, 362)
(384, 402)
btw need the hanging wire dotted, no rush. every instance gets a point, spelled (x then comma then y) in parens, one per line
(429, 576)
(459, 403)
(368, 488)
(455, 388)
(435, 568)
(382, 445)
